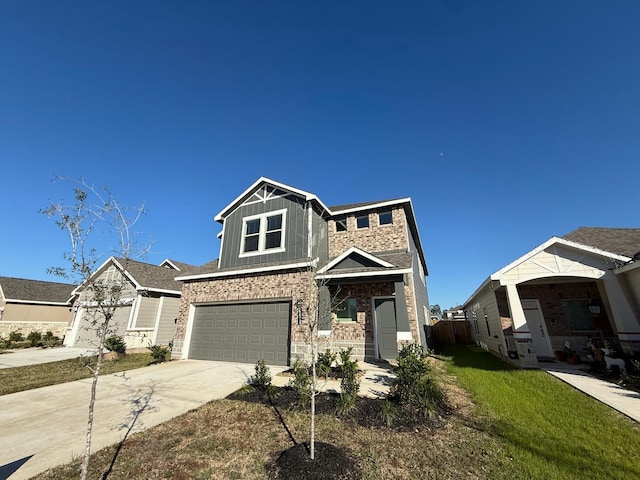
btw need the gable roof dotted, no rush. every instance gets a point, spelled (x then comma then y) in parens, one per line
(354, 207)
(261, 182)
(35, 291)
(623, 241)
(355, 252)
(176, 265)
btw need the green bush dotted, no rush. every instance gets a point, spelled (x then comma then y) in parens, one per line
(115, 343)
(50, 340)
(15, 337)
(301, 381)
(35, 338)
(325, 362)
(414, 388)
(159, 353)
(349, 382)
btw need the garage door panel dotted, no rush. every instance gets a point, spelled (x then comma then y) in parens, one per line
(242, 333)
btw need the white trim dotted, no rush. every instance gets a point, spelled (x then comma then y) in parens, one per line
(161, 290)
(154, 337)
(377, 273)
(561, 241)
(310, 230)
(187, 335)
(262, 233)
(222, 235)
(404, 336)
(75, 323)
(37, 302)
(167, 261)
(358, 251)
(371, 206)
(230, 273)
(306, 195)
(324, 333)
(133, 315)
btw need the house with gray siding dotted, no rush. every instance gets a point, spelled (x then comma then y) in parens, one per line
(583, 285)
(149, 304)
(365, 260)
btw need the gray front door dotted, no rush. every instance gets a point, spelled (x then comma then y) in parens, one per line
(386, 328)
(245, 332)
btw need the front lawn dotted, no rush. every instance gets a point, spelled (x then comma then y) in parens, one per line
(521, 425)
(550, 429)
(17, 379)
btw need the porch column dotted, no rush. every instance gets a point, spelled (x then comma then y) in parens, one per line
(625, 321)
(520, 326)
(402, 315)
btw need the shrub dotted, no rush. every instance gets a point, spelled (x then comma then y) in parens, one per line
(261, 380)
(50, 340)
(35, 338)
(115, 343)
(414, 388)
(388, 413)
(15, 337)
(159, 353)
(325, 362)
(301, 381)
(349, 382)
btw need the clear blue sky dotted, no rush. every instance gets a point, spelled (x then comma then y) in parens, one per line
(506, 122)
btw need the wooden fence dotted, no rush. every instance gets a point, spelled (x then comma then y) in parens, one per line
(452, 331)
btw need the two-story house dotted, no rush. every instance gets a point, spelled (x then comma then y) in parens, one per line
(366, 261)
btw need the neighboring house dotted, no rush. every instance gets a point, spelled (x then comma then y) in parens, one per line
(247, 305)
(455, 313)
(150, 302)
(585, 284)
(27, 305)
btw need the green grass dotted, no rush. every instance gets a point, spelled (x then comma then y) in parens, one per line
(18, 379)
(551, 430)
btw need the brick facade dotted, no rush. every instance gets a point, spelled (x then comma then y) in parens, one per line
(375, 238)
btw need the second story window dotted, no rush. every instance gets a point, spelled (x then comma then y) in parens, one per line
(341, 225)
(263, 233)
(385, 218)
(363, 221)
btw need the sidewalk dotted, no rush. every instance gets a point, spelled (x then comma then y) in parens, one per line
(625, 401)
(31, 356)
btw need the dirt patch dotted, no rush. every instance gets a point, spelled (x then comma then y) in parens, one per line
(331, 463)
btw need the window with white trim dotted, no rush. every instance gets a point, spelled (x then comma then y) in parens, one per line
(341, 225)
(263, 233)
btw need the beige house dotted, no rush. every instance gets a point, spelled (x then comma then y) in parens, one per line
(585, 284)
(149, 304)
(365, 262)
(27, 305)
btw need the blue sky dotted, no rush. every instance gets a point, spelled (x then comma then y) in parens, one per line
(505, 122)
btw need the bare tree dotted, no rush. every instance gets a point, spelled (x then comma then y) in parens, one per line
(94, 215)
(315, 304)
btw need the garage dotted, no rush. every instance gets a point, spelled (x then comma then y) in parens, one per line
(244, 332)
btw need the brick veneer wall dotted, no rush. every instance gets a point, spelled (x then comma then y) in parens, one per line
(375, 238)
(550, 297)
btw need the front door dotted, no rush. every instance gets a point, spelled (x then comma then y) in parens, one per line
(386, 328)
(537, 327)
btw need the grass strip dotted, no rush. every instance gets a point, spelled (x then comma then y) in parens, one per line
(550, 429)
(18, 379)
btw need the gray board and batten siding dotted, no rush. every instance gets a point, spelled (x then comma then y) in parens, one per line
(296, 233)
(242, 332)
(420, 292)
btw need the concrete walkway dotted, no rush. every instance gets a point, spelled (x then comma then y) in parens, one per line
(32, 356)
(625, 401)
(45, 427)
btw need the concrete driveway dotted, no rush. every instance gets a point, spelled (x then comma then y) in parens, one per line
(31, 356)
(46, 427)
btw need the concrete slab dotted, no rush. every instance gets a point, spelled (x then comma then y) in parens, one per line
(32, 356)
(625, 401)
(46, 427)
(375, 381)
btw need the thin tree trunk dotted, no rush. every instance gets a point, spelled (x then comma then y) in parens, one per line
(313, 400)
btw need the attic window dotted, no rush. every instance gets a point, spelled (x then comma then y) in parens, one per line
(385, 218)
(262, 234)
(341, 225)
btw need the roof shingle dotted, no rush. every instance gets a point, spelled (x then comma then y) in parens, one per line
(623, 241)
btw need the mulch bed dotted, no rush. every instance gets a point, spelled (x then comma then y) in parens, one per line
(295, 463)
